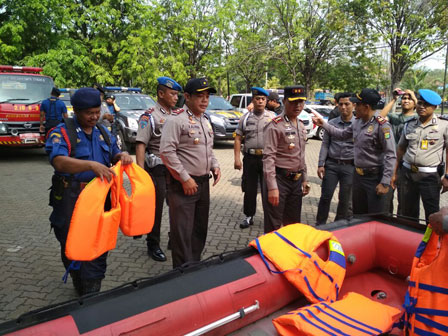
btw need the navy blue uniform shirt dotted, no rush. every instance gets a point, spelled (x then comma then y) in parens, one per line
(89, 147)
(54, 109)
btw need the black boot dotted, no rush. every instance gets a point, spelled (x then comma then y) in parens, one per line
(91, 286)
(77, 282)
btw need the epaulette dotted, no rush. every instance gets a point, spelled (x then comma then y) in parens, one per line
(381, 120)
(177, 111)
(277, 119)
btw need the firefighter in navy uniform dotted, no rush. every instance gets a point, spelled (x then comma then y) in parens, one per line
(186, 149)
(148, 155)
(250, 130)
(422, 146)
(80, 150)
(374, 153)
(54, 111)
(284, 164)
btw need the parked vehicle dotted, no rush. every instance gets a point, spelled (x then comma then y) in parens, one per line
(223, 117)
(240, 101)
(65, 98)
(132, 103)
(22, 91)
(324, 112)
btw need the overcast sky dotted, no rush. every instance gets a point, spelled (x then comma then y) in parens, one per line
(436, 61)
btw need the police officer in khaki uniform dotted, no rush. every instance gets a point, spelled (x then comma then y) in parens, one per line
(250, 131)
(422, 145)
(186, 149)
(148, 156)
(284, 163)
(374, 153)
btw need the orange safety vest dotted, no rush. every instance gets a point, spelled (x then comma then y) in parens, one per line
(353, 315)
(137, 211)
(426, 302)
(292, 250)
(92, 230)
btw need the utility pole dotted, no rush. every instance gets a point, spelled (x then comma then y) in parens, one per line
(444, 78)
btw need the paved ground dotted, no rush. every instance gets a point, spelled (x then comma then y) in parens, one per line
(31, 269)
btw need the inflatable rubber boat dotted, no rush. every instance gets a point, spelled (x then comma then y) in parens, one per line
(233, 293)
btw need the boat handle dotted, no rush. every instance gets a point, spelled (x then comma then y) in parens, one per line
(240, 314)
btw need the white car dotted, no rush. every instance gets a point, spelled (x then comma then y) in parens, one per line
(324, 112)
(305, 117)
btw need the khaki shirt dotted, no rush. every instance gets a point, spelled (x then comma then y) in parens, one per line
(150, 128)
(374, 144)
(424, 144)
(284, 147)
(186, 145)
(251, 126)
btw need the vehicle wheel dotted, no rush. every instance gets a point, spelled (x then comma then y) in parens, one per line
(121, 143)
(320, 133)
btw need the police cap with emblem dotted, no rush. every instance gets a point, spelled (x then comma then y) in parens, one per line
(295, 92)
(367, 96)
(197, 85)
(258, 91)
(430, 97)
(85, 98)
(169, 83)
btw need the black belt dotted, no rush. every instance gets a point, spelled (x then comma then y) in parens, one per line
(342, 162)
(368, 171)
(255, 151)
(293, 176)
(202, 178)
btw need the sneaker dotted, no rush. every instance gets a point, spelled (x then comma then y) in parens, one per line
(247, 222)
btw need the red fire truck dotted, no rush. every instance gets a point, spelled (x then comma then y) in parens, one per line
(22, 89)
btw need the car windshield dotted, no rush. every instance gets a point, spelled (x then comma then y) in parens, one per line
(134, 102)
(218, 103)
(24, 89)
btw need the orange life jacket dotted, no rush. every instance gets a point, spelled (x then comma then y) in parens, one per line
(292, 250)
(352, 315)
(137, 211)
(426, 302)
(92, 230)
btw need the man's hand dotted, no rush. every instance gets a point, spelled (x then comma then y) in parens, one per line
(273, 197)
(42, 129)
(190, 187)
(102, 171)
(444, 185)
(397, 92)
(321, 172)
(125, 158)
(237, 164)
(109, 117)
(216, 175)
(436, 220)
(306, 187)
(381, 189)
(317, 119)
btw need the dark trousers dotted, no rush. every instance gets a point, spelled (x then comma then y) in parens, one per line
(188, 220)
(336, 173)
(252, 175)
(51, 123)
(158, 175)
(365, 199)
(416, 185)
(60, 221)
(289, 207)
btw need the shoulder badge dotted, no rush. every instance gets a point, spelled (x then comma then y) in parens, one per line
(277, 119)
(206, 116)
(177, 111)
(381, 120)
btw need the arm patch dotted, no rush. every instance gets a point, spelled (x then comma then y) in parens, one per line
(277, 119)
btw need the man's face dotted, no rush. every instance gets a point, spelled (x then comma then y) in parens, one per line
(407, 103)
(259, 103)
(424, 109)
(345, 107)
(109, 101)
(293, 108)
(88, 117)
(169, 97)
(271, 104)
(197, 102)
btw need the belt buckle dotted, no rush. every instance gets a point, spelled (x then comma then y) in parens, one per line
(360, 171)
(258, 152)
(296, 176)
(414, 168)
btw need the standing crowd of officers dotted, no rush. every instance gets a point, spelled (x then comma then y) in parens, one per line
(365, 153)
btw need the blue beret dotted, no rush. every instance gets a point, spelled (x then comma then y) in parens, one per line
(85, 98)
(258, 91)
(170, 83)
(430, 97)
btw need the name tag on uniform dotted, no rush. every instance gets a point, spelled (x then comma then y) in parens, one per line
(424, 144)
